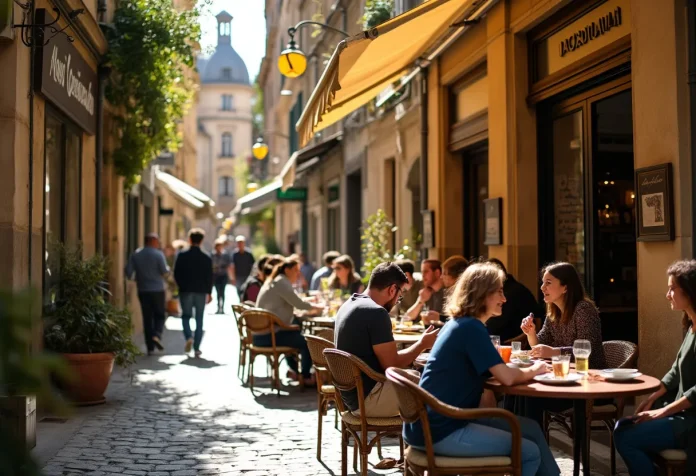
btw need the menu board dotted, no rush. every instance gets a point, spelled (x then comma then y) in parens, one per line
(569, 221)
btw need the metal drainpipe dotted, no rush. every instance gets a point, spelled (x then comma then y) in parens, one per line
(424, 147)
(32, 55)
(103, 73)
(691, 35)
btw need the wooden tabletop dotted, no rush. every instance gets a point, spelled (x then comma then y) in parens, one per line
(400, 338)
(592, 387)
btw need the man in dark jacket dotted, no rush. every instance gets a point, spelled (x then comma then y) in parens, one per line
(193, 273)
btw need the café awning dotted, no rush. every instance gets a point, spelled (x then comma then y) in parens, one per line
(300, 160)
(364, 65)
(186, 194)
(257, 200)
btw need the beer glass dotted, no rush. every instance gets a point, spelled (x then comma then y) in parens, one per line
(582, 350)
(561, 365)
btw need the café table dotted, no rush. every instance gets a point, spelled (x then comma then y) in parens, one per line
(310, 323)
(582, 394)
(405, 339)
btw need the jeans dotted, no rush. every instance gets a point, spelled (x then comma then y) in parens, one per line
(638, 443)
(289, 339)
(491, 437)
(153, 310)
(189, 301)
(220, 286)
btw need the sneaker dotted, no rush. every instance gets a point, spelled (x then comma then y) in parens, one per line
(189, 345)
(158, 343)
(198, 353)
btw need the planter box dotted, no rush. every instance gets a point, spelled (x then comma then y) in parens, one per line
(18, 415)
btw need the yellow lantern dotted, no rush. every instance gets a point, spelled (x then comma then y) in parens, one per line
(292, 62)
(252, 187)
(260, 149)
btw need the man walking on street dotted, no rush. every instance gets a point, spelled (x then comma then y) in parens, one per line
(221, 272)
(149, 266)
(242, 263)
(194, 277)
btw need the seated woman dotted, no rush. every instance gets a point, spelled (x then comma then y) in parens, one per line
(570, 315)
(251, 287)
(278, 297)
(344, 276)
(670, 426)
(461, 360)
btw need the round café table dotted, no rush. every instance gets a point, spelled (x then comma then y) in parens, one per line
(582, 394)
(406, 339)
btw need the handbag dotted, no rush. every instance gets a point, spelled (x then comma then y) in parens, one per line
(173, 308)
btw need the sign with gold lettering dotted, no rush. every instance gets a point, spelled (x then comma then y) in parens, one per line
(64, 78)
(653, 199)
(591, 32)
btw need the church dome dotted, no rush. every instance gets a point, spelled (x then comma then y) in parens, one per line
(225, 65)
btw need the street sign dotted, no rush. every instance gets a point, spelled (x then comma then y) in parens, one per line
(292, 194)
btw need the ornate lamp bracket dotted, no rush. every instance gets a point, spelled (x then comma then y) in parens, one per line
(39, 34)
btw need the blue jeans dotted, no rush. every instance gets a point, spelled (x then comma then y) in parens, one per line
(189, 302)
(289, 339)
(637, 444)
(491, 437)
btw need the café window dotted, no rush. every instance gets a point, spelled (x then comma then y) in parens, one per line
(63, 195)
(227, 144)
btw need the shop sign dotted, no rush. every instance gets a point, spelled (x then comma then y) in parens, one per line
(6, 17)
(65, 78)
(292, 194)
(334, 193)
(494, 226)
(654, 205)
(591, 32)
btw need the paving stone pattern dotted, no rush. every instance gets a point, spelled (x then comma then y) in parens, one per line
(180, 416)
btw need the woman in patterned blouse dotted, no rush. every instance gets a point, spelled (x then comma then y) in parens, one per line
(570, 315)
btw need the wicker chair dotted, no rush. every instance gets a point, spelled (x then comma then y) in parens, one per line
(261, 321)
(325, 333)
(619, 354)
(346, 373)
(671, 462)
(412, 406)
(244, 340)
(326, 392)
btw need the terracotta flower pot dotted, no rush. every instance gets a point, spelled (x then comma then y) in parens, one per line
(91, 375)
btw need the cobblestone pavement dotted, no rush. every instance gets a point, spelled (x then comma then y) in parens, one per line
(179, 416)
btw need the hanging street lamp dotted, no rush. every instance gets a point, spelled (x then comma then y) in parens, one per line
(292, 62)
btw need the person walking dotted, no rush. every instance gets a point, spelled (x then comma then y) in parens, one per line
(221, 272)
(194, 276)
(242, 263)
(149, 267)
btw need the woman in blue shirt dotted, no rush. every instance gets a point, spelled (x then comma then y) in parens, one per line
(460, 362)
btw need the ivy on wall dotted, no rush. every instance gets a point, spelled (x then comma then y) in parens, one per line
(377, 12)
(151, 53)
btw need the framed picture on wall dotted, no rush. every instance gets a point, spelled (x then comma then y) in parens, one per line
(654, 205)
(493, 223)
(428, 231)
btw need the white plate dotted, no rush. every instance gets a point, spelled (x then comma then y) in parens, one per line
(609, 377)
(516, 364)
(550, 379)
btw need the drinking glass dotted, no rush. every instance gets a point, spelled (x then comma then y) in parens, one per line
(561, 365)
(516, 349)
(495, 340)
(581, 350)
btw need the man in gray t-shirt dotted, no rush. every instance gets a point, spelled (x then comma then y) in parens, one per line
(149, 267)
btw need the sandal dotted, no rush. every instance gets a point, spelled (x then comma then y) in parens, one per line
(386, 463)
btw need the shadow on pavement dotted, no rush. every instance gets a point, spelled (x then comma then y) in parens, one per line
(200, 363)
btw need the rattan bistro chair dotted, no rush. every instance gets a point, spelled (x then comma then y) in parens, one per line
(671, 462)
(325, 333)
(326, 392)
(412, 406)
(346, 373)
(244, 340)
(261, 321)
(619, 354)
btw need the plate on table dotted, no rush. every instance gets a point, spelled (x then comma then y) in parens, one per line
(551, 379)
(518, 364)
(413, 328)
(619, 377)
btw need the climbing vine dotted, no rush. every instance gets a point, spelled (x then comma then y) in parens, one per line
(151, 53)
(377, 12)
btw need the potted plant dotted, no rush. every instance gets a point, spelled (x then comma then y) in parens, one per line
(85, 327)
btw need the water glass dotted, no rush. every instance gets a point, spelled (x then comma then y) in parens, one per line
(581, 350)
(495, 340)
(516, 349)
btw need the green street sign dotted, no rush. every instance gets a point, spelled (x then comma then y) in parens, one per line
(293, 194)
(5, 16)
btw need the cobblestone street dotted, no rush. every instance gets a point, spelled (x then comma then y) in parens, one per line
(179, 416)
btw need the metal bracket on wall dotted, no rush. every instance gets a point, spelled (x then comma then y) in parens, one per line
(34, 34)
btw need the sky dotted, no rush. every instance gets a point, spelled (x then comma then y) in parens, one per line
(248, 30)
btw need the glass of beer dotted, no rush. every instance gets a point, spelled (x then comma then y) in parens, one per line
(561, 365)
(582, 350)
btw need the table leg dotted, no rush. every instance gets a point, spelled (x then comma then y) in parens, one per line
(581, 448)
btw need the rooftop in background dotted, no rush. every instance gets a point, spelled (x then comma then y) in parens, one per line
(225, 66)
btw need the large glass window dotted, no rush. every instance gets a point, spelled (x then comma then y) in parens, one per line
(227, 144)
(226, 186)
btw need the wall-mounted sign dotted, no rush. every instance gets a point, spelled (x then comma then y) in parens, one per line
(292, 194)
(654, 203)
(590, 32)
(6, 17)
(494, 225)
(65, 78)
(428, 229)
(334, 193)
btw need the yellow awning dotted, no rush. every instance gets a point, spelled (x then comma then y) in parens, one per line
(364, 65)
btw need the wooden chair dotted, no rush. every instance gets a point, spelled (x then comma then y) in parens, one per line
(618, 354)
(346, 373)
(244, 340)
(671, 463)
(326, 392)
(412, 407)
(325, 333)
(260, 321)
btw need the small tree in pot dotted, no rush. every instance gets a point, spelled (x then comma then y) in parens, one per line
(86, 327)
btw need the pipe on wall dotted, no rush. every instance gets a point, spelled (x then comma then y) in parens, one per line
(103, 73)
(32, 54)
(691, 36)
(424, 146)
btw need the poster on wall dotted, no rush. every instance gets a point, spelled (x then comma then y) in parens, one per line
(428, 232)
(654, 203)
(494, 228)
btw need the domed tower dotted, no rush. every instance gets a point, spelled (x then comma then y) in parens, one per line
(224, 121)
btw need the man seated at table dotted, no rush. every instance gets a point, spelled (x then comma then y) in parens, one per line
(363, 328)
(452, 269)
(432, 296)
(409, 294)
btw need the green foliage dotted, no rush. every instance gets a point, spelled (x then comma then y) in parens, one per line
(23, 372)
(83, 320)
(376, 12)
(151, 52)
(377, 235)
